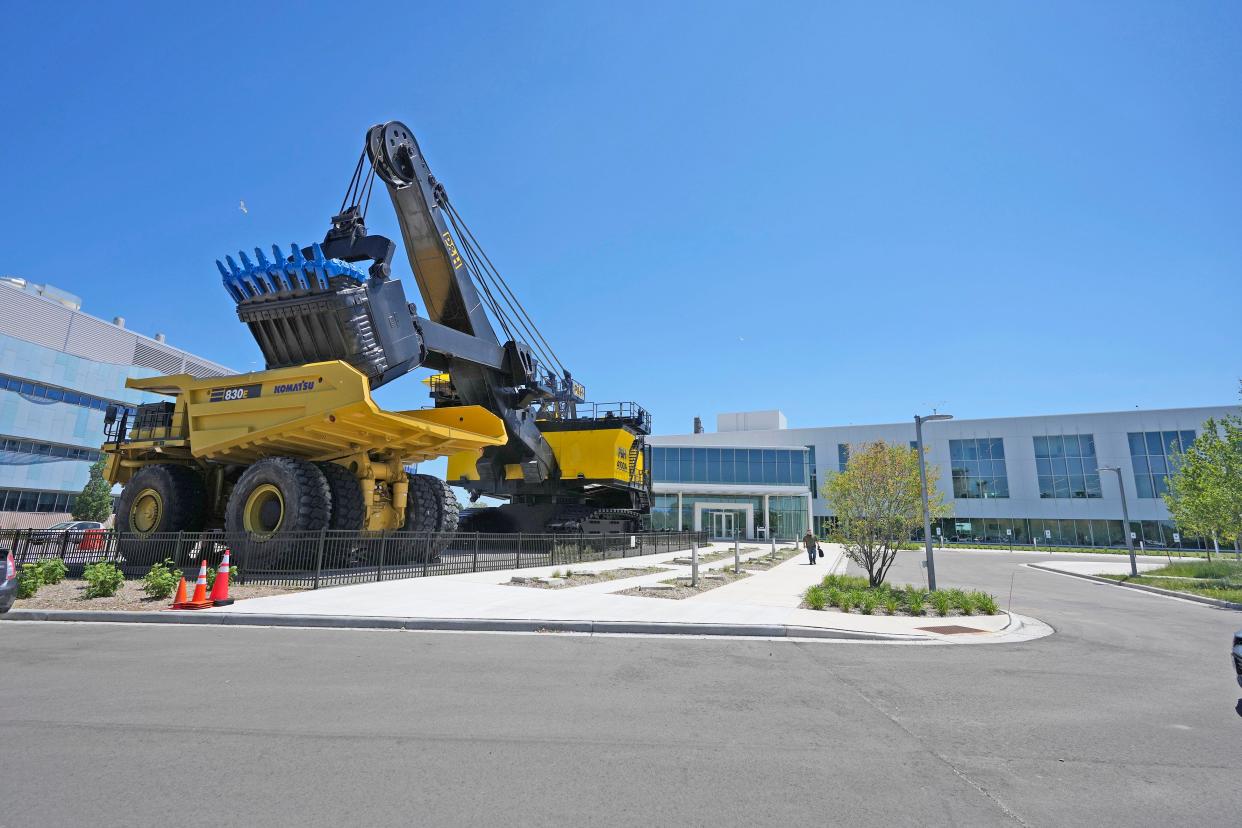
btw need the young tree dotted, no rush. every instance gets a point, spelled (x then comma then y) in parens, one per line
(1205, 493)
(878, 503)
(95, 502)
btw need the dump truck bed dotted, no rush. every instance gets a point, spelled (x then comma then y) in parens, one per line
(320, 411)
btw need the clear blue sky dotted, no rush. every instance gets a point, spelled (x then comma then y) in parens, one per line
(852, 212)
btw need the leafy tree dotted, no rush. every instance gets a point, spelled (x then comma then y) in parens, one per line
(1205, 493)
(878, 503)
(95, 501)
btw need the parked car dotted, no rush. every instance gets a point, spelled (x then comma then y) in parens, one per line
(1237, 655)
(55, 532)
(8, 581)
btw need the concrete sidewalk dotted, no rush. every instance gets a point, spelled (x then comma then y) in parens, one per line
(766, 603)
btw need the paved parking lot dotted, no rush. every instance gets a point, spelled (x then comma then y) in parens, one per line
(1128, 715)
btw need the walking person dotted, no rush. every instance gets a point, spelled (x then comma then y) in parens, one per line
(811, 546)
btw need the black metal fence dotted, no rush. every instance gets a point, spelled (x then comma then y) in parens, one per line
(327, 558)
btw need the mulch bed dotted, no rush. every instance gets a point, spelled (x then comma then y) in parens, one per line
(67, 595)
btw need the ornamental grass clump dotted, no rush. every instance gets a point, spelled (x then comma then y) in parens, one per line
(892, 603)
(942, 602)
(870, 600)
(848, 600)
(986, 603)
(816, 598)
(915, 600)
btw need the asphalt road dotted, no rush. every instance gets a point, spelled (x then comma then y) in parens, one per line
(1128, 715)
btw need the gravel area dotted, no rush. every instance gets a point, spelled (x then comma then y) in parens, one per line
(681, 586)
(580, 578)
(67, 595)
(767, 561)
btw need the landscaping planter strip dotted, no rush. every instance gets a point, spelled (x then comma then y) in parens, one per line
(1185, 596)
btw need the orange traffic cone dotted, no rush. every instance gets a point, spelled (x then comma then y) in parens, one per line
(179, 598)
(220, 589)
(200, 599)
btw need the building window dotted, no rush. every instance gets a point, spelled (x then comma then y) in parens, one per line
(16, 500)
(1066, 466)
(1154, 456)
(843, 456)
(810, 470)
(35, 389)
(771, 467)
(978, 468)
(32, 448)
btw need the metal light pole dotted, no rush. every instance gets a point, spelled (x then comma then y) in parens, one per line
(918, 436)
(1125, 516)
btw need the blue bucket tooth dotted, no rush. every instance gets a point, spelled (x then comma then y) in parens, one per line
(282, 269)
(257, 286)
(272, 271)
(299, 268)
(320, 266)
(236, 274)
(227, 278)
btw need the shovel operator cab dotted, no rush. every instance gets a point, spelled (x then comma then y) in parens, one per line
(301, 446)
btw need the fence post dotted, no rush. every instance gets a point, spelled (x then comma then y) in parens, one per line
(694, 563)
(517, 555)
(323, 537)
(474, 565)
(427, 553)
(64, 544)
(379, 566)
(178, 548)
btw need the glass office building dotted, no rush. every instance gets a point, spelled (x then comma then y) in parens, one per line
(59, 370)
(727, 490)
(1021, 480)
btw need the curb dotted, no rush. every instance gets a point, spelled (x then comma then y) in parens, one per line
(457, 624)
(1168, 593)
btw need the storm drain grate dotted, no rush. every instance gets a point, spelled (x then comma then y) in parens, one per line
(951, 629)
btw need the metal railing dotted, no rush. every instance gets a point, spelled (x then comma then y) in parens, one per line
(327, 558)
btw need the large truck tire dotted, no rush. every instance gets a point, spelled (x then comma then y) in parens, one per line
(349, 510)
(431, 509)
(158, 499)
(275, 499)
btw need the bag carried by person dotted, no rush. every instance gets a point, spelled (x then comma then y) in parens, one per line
(820, 550)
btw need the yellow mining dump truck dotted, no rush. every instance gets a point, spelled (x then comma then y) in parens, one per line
(286, 450)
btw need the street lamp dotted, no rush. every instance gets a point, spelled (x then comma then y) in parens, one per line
(1125, 516)
(918, 436)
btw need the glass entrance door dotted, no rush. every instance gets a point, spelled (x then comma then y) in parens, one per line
(721, 524)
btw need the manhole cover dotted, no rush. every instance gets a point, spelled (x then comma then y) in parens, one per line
(951, 629)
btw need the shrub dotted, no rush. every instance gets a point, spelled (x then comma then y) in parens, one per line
(986, 603)
(53, 570)
(161, 579)
(102, 580)
(29, 579)
(892, 603)
(816, 598)
(834, 596)
(870, 600)
(942, 602)
(966, 603)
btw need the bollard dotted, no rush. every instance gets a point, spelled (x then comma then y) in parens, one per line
(694, 563)
(737, 552)
(773, 539)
